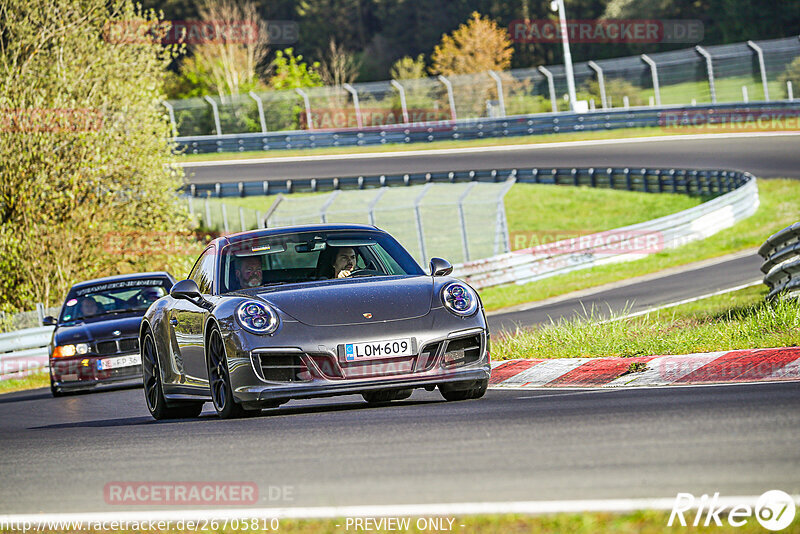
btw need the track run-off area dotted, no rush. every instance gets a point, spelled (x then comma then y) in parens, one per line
(513, 445)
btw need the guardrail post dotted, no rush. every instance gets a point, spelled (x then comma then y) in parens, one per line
(710, 70)
(760, 53)
(600, 81)
(349, 88)
(628, 182)
(215, 111)
(500, 97)
(418, 216)
(402, 93)
(654, 74)
(260, 106)
(450, 98)
(550, 86)
(462, 219)
(171, 112)
(307, 105)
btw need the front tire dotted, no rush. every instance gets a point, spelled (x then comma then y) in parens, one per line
(219, 380)
(154, 391)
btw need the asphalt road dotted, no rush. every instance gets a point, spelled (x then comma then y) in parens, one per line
(765, 157)
(512, 445)
(638, 296)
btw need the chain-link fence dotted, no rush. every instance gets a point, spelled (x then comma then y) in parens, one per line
(28, 319)
(739, 72)
(458, 221)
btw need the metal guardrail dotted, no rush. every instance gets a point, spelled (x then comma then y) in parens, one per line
(24, 351)
(672, 117)
(622, 244)
(781, 267)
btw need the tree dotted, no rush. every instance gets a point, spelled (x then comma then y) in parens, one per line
(791, 74)
(84, 150)
(477, 46)
(290, 71)
(339, 66)
(408, 68)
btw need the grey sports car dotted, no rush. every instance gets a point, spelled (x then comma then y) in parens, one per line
(288, 313)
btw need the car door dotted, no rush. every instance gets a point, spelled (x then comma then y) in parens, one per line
(187, 319)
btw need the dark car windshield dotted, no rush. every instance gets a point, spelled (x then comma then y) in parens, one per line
(309, 256)
(112, 298)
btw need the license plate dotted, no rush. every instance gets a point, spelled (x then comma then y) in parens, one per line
(119, 361)
(393, 348)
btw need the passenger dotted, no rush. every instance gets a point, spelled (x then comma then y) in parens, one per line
(88, 307)
(248, 272)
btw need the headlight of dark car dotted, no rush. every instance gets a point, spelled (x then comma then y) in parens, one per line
(460, 299)
(257, 317)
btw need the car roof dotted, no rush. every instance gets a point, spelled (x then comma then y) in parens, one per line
(123, 277)
(264, 232)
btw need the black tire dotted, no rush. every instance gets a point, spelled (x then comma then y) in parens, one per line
(450, 393)
(219, 381)
(383, 396)
(154, 391)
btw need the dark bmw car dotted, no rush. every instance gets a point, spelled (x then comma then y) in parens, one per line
(288, 313)
(96, 340)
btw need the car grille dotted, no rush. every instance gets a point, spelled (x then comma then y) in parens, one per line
(463, 351)
(283, 368)
(117, 346)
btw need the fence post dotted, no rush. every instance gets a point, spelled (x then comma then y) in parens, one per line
(208, 214)
(260, 106)
(241, 219)
(418, 216)
(463, 220)
(224, 218)
(349, 88)
(307, 105)
(450, 98)
(191, 205)
(403, 105)
(500, 97)
(710, 69)
(40, 313)
(215, 111)
(600, 81)
(745, 97)
(272, 209)
(171, 112)
(550, 87)
(373, 203)
(323, 211)
(654, 74)
(760, 53)
(789, 92)
(501, 229)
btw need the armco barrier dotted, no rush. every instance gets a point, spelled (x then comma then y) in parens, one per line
(622, 244)
(24, 351)
(773, 115)
(781, 267)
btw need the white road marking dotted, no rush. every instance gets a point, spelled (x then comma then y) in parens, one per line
(480, 150)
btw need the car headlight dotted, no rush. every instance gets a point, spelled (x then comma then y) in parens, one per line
(257, 317)
(460, 299)
(65, 351)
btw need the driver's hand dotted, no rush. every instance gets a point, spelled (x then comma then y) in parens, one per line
(343, 274)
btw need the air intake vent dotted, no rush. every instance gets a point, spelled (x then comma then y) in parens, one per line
(283, 368)
(462, 351)
(427, 356)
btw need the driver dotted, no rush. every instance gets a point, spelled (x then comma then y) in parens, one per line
(89, 307)
(344, 262)
(248, 272)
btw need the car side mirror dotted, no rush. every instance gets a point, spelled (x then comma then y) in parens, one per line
(49, 321)
(185, 289)
(440, 267)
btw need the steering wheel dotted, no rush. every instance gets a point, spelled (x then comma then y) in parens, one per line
(364, 272)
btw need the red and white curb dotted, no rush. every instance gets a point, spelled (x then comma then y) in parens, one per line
(736, 366)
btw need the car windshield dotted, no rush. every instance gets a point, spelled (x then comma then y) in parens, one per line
(112, 298)
(309, 256)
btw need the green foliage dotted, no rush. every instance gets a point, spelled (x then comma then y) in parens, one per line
(84, 148)
(408, 68)
(616, 89)
(791, 74)
(291, 72)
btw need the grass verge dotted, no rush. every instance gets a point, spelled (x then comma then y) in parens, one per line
(778, 209)
(32, 381)
(737, 320)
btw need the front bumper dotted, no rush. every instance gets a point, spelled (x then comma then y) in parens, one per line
(81, 372)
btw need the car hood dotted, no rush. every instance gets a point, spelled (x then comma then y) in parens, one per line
(83, 332)
(352, 301)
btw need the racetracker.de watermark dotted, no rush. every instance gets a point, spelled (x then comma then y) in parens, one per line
(641, 31)
(325, 118)
(196, 32)
(558, 242)
(192, 493)
(730, 120)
